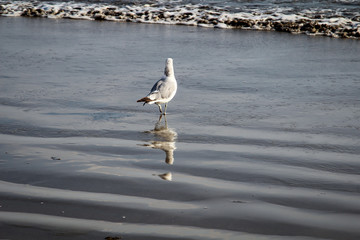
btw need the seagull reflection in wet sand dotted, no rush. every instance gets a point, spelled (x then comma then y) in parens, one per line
(168, 137)
(167, 143)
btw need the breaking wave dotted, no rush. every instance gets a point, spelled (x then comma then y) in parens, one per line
(313, 21)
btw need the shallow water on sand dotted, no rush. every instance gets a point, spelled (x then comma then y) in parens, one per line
(260, 142)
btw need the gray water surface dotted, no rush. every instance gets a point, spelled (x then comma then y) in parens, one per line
(261, 140)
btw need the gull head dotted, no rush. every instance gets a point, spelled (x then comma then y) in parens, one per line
(169, 68)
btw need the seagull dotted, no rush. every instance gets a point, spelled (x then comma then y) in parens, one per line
(163, 90)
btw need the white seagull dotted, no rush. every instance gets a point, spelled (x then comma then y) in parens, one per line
(163, 90)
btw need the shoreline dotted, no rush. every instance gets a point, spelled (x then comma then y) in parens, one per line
(191, 15)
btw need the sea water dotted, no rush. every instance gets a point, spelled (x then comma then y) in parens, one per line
(336, 18)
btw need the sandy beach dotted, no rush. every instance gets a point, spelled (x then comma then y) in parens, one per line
(262, 140)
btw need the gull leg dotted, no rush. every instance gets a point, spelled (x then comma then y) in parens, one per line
(159, 105)
(165, 108)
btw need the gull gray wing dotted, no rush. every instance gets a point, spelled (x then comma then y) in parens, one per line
(157, 85)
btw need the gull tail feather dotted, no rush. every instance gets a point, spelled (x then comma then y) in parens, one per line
(145, 100)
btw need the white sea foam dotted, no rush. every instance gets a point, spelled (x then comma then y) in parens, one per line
(328, 22)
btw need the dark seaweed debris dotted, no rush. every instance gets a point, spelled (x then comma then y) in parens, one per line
(112, 238)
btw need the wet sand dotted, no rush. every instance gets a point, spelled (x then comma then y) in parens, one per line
(262, 140)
